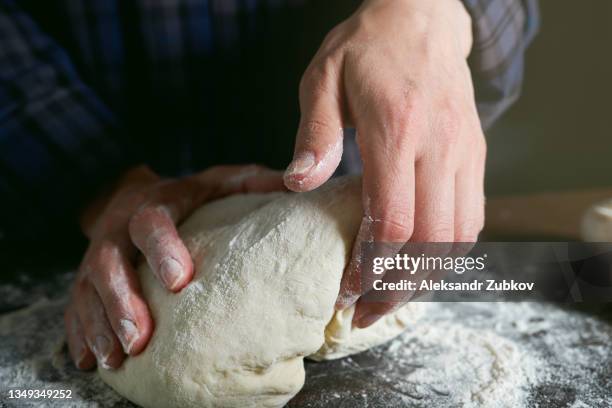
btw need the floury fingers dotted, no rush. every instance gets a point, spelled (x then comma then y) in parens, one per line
(442, 285)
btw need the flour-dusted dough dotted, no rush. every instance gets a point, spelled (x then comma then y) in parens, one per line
(268, 270)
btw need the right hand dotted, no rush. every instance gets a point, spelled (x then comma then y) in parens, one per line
(108, 317)
(396, 71)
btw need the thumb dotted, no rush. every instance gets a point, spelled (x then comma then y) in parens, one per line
(318, 145)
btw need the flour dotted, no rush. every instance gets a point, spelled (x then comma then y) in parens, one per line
(476, 355)
(470, 355)
(33, 356)
(448, 364)
(476, 368)
(459, 354)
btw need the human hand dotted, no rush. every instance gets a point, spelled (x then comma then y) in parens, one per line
(396, 71)
(107, 316)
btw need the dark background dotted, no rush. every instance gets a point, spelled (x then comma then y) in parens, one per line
(558, 136)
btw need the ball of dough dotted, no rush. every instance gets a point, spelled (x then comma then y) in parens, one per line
(268, 270)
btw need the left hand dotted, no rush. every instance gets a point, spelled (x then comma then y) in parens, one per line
(108, 316)
(396, 71)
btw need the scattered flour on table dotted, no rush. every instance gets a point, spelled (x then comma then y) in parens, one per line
(493, 355)
(473, 367)
(443, 363)
(459, 355)
(33, 356)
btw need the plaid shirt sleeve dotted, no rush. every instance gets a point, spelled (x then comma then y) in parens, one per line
(47, 115)
(502, 31)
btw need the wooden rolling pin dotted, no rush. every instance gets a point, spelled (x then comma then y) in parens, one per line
(554, 214)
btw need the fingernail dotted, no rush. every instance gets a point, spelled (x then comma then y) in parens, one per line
(301, 164)
(128, 335)
(366, 320)
(102, 349)
(170, 272)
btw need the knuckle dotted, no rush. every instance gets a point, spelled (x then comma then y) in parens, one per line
(450, 121)
(317, 78)
(99, 264)
(106, 254)
(334, 34)
(395, 226)
(307, 83)
(315, 126)
(400, 113)
(139, 216)
(449, 126)
(449, 137)
(137, 196)
(144, 215)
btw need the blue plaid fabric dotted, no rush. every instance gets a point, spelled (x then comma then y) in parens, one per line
(502, 31)
(86, 84)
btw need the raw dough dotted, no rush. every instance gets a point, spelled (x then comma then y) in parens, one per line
(268, 270)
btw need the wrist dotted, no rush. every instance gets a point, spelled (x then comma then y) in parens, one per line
(450, 20)
(445, 21)
(463, 22)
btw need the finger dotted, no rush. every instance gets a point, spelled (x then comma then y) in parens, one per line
(119, 290)
(469, 210)
(368, 313)
(387, 197)
(469, 218)
(434, 223)
(374, 304)
(379, 299)
(435, 209)
(219, 181)
(152, 229)
(99, 335)
(81, 355)
(435, 203)
(318, 145)
(264, 181)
